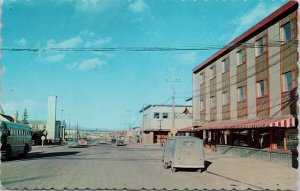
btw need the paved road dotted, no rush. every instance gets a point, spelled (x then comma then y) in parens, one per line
(136, 167)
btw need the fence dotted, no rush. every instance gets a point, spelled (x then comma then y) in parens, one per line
(288, 158)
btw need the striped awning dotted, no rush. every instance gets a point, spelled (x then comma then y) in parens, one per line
(284, 122)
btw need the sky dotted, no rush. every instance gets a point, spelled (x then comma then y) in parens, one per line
(105, 89)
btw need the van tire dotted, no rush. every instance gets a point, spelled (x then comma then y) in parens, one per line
(7, 154)
(166, 166)
(173, 169)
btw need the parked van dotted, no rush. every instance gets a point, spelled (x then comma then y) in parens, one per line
(184, 152)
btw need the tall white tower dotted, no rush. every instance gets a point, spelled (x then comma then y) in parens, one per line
(51, 117)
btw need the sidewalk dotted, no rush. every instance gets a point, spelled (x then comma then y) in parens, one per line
(261, 174)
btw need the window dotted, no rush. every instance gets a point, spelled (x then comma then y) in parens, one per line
(156, 115)
(212, 72)
(201, 78)
(239, 57)
(225, 98)
(259, 47)
(212, 102)
(225, 65)
(165, 115)
(241, 94)
(201, 105)
(287, 81)
(286, 32)
(262, 88)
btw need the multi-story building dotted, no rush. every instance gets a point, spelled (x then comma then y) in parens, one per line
(246, 93)
(157, 121)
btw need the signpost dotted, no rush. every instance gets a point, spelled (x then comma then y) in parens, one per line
(43, 139)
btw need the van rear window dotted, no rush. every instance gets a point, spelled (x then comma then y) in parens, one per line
(189, 143)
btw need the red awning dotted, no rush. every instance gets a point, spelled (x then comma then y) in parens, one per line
(287, 122)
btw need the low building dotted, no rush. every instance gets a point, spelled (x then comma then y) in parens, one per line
(157, 122)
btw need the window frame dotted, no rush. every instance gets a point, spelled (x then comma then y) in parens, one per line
(283, 82)
(223, 98)
(283, 32)
(165, 114)
(202, 105)
(239, 58)
(154, 115)
(225, 63)
(244, 95)
(264, 84)
(261, 47)
(212, 100)
(212, 73)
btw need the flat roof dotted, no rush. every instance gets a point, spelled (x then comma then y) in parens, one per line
(256, 29)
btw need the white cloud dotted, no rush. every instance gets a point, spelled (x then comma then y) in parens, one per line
(188, 58)
(86, 65)
(55, 58)
(250, 18)
(21, 42)
(69, 43)
(90, 64)
(97, 42)
(138, 6)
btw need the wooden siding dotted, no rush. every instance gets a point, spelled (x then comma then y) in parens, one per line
(241, 76)
(213, 113)
(262, 67)
(262, 105)
(289, 103)
(242, 109)
(225, 112)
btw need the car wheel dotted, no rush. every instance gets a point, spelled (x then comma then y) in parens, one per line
(173, 169)
(166, 165)
(199, 170)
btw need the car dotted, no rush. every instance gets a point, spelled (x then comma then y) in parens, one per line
(120, 143)
(113, 141)
(184, 152)
(102, 141)
(82, 142)
(73, 144)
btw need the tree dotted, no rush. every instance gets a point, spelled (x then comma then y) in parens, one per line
(25, 117)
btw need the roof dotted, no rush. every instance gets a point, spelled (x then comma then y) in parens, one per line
(162, 105)
(259, 27)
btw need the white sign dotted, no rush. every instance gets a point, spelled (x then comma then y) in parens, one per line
(174, 131)
(43, 138)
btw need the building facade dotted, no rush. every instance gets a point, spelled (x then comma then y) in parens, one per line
(157, 122)
(246, 94)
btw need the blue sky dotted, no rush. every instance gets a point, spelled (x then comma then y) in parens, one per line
(106, 89)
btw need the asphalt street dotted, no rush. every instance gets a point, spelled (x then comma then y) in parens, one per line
(136, 167)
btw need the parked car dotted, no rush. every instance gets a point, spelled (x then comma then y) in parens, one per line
(120, 143)
(113, 140)
(73, 144)
(82, 142)
(102, 141)
(184, 152)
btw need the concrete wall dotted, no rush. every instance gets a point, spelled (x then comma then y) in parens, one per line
(219, 89)
(233, 86)
(207, 96)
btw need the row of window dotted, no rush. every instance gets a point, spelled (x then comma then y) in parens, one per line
(261, 87)
(260, 48)
(19, 132)
(165, 115)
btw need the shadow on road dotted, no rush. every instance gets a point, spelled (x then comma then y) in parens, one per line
(206, 164)
(38, 155)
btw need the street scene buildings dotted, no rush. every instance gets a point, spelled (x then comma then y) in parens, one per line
(239, 120)
(246, 94)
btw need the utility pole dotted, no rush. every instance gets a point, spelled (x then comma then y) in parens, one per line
(173, 80)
